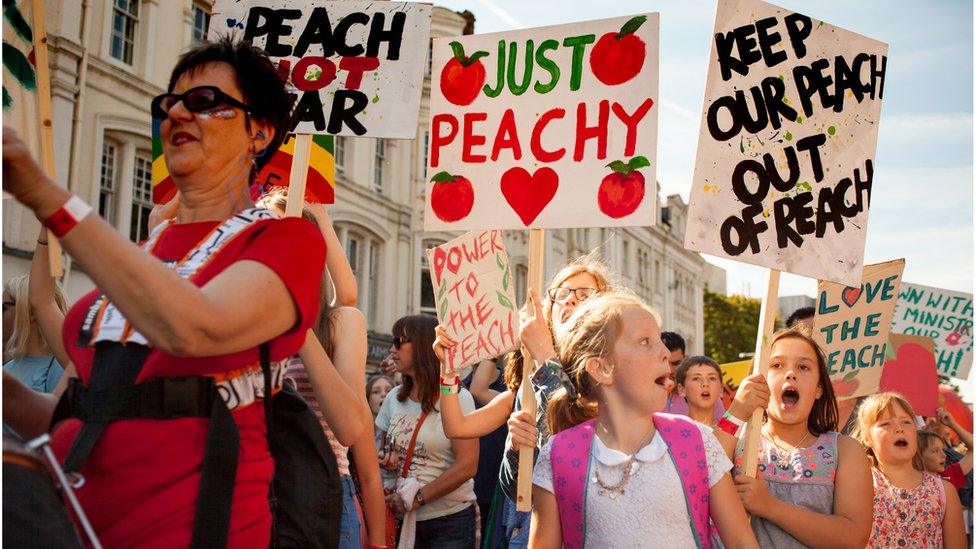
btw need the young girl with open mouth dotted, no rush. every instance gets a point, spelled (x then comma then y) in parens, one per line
(912, 508)
(613, 459)
(813, 486)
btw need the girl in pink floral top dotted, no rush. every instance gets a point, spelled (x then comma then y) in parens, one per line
(912, 508)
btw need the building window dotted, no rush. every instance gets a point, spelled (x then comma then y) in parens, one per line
(643, 266)
(108, 189)
(372, 280)
(658, 279)
(141, 198)
(201, 22)
(423, 167)
(379, 165)
(625, 260)
(430, 56)
(428, 304)
(364, 254)
(339, 153)
(125, 16)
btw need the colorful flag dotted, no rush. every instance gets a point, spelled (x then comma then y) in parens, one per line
(319, 186)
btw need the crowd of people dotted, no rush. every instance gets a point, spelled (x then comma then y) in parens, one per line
(165, 390)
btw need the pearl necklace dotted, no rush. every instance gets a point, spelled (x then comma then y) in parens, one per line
(630, 466)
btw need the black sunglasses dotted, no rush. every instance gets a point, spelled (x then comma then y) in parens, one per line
(399, 341)
(199, 99)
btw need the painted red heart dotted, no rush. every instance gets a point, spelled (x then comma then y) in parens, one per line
(914, 375)
(529, 194)
(850, 296)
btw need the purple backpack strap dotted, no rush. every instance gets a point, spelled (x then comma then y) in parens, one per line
(687, 450)
(570, 456)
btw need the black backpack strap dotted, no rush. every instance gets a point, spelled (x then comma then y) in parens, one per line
(113, 366)
(211, 522)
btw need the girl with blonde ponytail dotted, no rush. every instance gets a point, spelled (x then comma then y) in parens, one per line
(613, 459)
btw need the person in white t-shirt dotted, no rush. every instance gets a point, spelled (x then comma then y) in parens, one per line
(436, 496)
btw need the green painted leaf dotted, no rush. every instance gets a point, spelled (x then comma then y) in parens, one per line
(506, 278)
(498, 260)
(443, 310)
(850, 375)
(638, 162)
(443, 290)
(619, 167)
(458, 50)
(630, 27)
(442, 177)
(474, 58)
(503, 299)
(18, 23)
(18, 65)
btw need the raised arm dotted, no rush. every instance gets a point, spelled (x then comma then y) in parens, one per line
(371, 487)
(337, 265)
(484, 375)
(225, 316)
(479, 422)
(850, 523)
(342, 408)
(41, 294)
(966, 463)
(953, 526)
(753, 394)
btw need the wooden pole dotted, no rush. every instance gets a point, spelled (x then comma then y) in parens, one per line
(523, 502)
(767, 320)
(299, 174)
(46, 122)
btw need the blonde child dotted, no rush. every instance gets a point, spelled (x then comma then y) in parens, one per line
(813, 486)
(912, 508)
(699, 380)
(613, 459)
(576, 282)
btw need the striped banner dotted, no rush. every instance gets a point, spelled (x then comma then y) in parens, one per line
(319, 187)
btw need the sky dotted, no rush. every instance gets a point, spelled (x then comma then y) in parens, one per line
(922, 193)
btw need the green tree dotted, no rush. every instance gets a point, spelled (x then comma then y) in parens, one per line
(730, 325)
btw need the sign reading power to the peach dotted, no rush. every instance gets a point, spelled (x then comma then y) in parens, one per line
(545, 128)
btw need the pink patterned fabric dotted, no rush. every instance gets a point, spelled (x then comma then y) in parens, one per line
(571, 466)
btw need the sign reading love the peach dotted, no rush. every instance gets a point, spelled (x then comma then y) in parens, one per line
(475, 296)
(852, 324)
(545, 128)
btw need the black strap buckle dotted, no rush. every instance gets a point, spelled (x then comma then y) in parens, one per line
(185, 396)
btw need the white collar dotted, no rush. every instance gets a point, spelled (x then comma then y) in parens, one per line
(653, 451)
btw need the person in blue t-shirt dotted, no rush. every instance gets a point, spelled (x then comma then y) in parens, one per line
(27, 355)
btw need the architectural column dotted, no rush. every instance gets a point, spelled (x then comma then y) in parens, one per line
(123, 193)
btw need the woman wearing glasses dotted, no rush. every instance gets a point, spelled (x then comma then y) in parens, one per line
(198, 299)
(573, 284)
(434, 488)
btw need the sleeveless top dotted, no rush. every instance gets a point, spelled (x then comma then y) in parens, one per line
(908, 518)
(803, 477)
(295, 371)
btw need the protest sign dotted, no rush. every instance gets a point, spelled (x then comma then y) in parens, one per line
(945, 316)
(357, 68)
(851, 325)
(319, 189)
(20, 108)
(732, 375)
(786, 148)
(475, 296)
(910, 370)
(545, 128)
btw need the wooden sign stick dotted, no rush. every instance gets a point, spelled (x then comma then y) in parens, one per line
(767, 319)
(299, 175)
(536, 273)
(46, 122)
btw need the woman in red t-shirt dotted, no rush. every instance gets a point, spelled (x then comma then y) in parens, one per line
(198, 299)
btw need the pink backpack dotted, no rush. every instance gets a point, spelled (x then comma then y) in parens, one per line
(571, 468)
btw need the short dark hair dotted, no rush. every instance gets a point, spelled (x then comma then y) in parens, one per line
(798, 315)
(263, 89)
(419, 330)
(698, 360)
(673, 341)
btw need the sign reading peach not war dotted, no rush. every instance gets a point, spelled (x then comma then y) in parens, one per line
(475, 296)
(356, 68)
(851, 325)
(545, 128)
(786, 148)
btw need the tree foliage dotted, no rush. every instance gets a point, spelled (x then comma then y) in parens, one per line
(730, 325)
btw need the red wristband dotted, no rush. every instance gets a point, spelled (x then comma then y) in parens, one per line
(67, 216)
(456, 380)
(727, 426)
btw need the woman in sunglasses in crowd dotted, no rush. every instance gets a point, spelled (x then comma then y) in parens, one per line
(574, 283)
(199, 298)
(434, 486)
